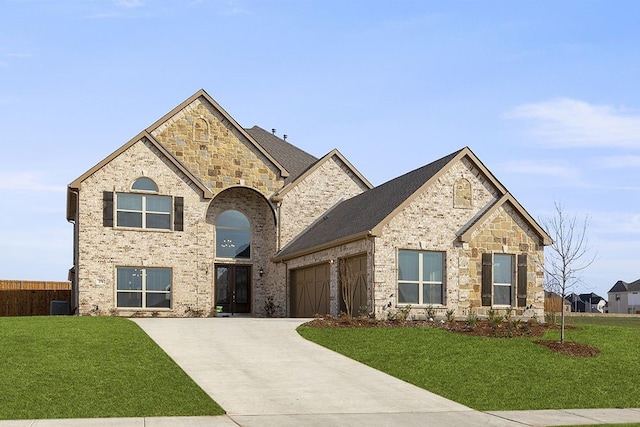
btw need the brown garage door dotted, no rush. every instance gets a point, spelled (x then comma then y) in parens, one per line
(310, 291)
(353, 284)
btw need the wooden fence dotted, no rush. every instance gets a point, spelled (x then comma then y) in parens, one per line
(30, 298)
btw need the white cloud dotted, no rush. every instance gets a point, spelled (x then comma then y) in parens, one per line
(568, 122)
(27, 181)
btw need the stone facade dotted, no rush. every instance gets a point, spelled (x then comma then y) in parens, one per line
(221, 156)
(206, 164)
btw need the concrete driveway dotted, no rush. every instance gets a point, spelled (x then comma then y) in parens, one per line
(264, 374)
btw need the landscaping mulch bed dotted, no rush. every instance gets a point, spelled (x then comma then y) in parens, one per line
(483, 328)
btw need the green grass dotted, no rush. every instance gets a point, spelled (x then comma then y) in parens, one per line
(87, 367)
(499, 373)
(603, 320)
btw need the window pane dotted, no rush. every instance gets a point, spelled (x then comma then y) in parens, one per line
(130, 219)
(222, 284)
(502, 271)
(232, 243)
(432, 266)
(129, 299)
(432, 294)
(131, 202)
(162, 300)
(145, 184)
(158, 204)
(234, 219)
(162, 221)
(408, 265)
(158, 279)
(408, 293)
(129, 279)
(502, 295)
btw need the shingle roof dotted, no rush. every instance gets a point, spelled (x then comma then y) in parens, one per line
(362, 213)
(295, 160)
(622, 286)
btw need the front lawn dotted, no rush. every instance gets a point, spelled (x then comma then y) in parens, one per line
(492, 374)
(87, 367)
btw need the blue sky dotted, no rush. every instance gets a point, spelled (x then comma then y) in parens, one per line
(546, 93)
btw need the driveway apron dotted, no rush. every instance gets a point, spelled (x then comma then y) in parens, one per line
(262, 367)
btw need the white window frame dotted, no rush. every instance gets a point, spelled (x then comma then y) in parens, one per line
(144, 291)
(421, 280)
(512, 285)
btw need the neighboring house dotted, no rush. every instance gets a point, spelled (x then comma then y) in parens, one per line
(586, 303)
(625, 297)
(197, 214)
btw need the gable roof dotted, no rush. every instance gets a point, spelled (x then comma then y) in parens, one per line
(315, 166)
(367, 213)
(622, 286)
(295, 160)
(74, 186)
(363, 214)
(506, 198)
(203, 94)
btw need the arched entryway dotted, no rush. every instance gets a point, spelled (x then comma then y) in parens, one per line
(244, 241)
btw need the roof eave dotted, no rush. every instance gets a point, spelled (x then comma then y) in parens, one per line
(467, 235)
(280, 194)
(75, 184)
(324, 246)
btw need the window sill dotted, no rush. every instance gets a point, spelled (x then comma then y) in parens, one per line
(158, 230)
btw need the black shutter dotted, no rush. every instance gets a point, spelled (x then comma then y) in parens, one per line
(107, 208)
(487, 278)
(178, 213)
(522, 280)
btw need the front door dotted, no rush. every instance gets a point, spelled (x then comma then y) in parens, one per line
(233, 288)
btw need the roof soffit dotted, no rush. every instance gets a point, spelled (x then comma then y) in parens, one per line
(204, 95)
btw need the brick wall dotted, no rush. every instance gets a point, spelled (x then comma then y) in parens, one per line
(314, 195)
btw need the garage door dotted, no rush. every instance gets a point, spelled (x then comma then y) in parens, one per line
(310, 291)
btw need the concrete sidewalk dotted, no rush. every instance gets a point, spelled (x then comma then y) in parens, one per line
(264, 374)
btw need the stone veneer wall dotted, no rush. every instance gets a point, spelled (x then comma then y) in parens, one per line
(332, 256)
(503, 232)
(431, 222)
(102, 249)
(213, 150)
(314, 195)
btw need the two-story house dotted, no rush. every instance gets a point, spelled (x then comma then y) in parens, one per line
(197, 214)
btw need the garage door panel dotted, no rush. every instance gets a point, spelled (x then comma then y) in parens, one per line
(310, 291)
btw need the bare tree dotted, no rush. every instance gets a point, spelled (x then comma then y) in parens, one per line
(348, 284)
(570, 254)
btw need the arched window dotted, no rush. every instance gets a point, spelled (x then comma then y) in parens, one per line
(144, 184)
(233, 235)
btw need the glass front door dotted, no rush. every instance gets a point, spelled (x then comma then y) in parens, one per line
(233, 288)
